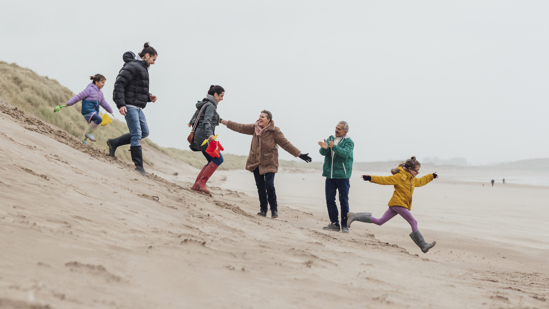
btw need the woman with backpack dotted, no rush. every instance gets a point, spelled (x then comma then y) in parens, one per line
(204, 121)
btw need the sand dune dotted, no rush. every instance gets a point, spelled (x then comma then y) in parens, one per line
(79, 229)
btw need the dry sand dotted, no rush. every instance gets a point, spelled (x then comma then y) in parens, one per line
(81, 230)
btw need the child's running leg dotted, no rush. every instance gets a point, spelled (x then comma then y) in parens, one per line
(94, 120)
(407, 215)
(416, 234)
(388, 215)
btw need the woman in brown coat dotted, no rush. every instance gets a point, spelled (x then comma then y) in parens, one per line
(263, 157)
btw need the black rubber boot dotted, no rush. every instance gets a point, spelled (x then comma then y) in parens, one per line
(365, 217)
(137, 158)
(274, 214)
(420, 242)
(119, 141)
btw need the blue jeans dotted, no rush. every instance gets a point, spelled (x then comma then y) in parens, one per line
(216, 161)
(137, 123)
(332, 185)
(266, 190)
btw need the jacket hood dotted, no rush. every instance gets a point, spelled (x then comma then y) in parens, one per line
(128, 57)
(199, 104)
(271, 127)
(401, 170)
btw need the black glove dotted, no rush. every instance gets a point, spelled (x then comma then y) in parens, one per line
(305, 157)
(366, 177)
(435, 175)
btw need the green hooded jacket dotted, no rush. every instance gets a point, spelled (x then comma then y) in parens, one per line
(338, 161)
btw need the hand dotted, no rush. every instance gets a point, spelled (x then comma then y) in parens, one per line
(323, 144)
(366, 177)
(435, 175)
(211, 138)
(225, 122)
(123, 110)
(189, 125)
(153, 98)
(305, 157)
(331, 144)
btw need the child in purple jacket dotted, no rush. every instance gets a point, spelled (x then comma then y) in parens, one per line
(91, 98)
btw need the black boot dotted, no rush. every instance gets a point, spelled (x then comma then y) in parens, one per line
(137, 158)
(119, 141)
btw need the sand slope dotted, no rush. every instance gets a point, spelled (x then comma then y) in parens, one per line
(81, 230)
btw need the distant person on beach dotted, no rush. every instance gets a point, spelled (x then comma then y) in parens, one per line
(92, 97)
(503, 180)
(205, 119)
(131, 95)
(338, 166)
(263, 157)
(493, 181)
(404, 180)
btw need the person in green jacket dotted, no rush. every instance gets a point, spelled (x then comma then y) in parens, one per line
(338, 166)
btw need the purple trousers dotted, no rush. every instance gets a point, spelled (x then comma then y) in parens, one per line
(393, 211)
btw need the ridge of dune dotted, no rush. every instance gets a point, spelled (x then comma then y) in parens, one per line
(80, 229)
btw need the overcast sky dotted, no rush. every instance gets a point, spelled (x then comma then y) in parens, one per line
(425, 78)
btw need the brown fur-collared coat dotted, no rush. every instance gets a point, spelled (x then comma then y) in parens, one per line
(264, 150)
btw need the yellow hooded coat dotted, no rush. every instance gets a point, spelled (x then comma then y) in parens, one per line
(404, 184)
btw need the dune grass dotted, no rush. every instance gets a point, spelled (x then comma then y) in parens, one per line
(38, 95)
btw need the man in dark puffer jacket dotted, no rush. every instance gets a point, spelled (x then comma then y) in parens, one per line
(131, 95)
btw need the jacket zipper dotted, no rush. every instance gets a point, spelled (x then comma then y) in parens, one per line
(332, 169)
(411, 192)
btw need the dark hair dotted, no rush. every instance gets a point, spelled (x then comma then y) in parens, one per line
(147, 49)
(216, 89)
(97, 78)
(269, 114)
(409, 164)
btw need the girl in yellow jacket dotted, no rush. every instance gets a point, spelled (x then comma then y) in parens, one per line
(404, 179)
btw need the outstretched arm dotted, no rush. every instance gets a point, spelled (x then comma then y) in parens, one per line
(78, 97)
(420, 182)
(241, 128)
(281, 140)
(386, 180)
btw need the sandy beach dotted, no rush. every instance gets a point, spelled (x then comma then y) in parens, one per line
(79, 229)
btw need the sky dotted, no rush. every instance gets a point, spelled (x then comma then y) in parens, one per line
(444, 79)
